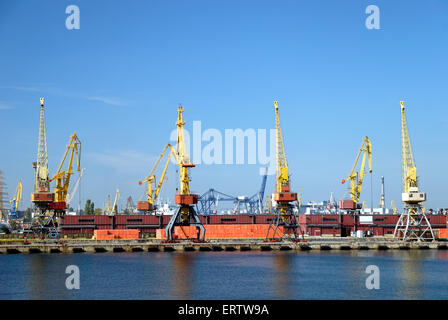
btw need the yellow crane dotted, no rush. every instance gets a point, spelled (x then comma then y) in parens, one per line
(394, 208)
(15, 201)
(185, 215)
(267, 207)
(62, 177)
(356, 178)
(153, 191)
(283, 196)
(413, 223)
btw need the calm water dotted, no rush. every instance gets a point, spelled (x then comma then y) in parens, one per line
(223, 275)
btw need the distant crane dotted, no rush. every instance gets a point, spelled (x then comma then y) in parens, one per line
(15, 201)
(208, 201)
(283, 211)
(108, 209)
(394, 208)
(115, 206)
(413, 223)
(267, 207)
(111, 209)
(130, 206)
(152, 191)
(253, 204)
(299, 199)
(383, 197)
(356, 178)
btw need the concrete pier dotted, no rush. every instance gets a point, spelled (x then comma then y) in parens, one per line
(102, 246)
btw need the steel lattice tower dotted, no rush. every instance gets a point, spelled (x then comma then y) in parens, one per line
(41, 180)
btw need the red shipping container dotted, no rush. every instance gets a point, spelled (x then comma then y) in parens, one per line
(346, 204)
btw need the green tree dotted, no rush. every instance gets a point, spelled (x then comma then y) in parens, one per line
(13, 224)
(98, 211)
(89, 208)
(27, 215)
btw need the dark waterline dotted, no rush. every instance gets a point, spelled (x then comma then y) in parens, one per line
(227, 275)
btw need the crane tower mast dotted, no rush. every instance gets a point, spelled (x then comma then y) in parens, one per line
(42, 197)
(283, 212)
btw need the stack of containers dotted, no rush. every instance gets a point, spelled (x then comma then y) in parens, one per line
(231, 231)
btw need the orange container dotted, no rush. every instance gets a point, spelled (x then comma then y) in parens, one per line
(443, 233)
(160, 234)
(116, 234)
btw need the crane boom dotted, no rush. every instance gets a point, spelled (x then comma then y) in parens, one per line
(181, 155)
(153, 191)
(408, 164)
(63, 177)
(282, 176)
(356, 178)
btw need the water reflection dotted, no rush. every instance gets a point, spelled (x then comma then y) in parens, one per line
(282, 280)
(182, 276)
(45, 278)
(411, 276)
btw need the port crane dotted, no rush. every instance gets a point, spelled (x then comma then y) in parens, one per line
(284, 214)
(15, 201)
(267, 207)
(62, 177)
(130, 206)
(413, 223)
(153, 188)
(394, 208)
(109, 208)
(357, 177)
(49, 204)
(42, 197)
(185, 214)
(208, 201)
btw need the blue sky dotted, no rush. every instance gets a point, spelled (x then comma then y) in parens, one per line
(117, 82)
